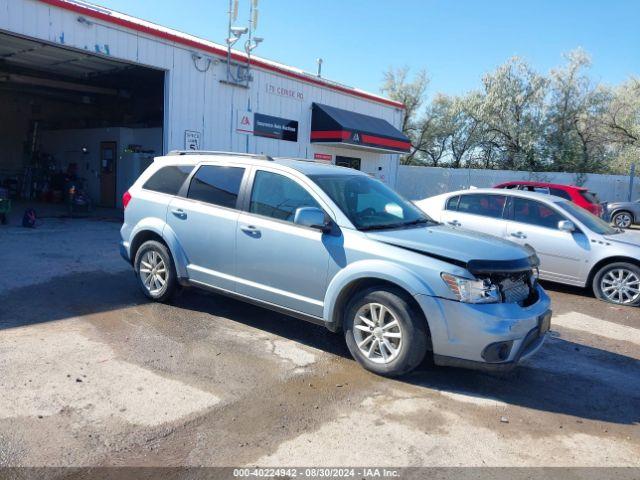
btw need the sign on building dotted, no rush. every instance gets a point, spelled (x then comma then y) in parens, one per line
(191, 140)
(285, 92)
(275, 127)
(245, 123)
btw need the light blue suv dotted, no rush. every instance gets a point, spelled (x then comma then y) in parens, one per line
(336, 247)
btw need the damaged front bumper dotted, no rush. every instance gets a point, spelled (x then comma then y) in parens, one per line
(491, 337)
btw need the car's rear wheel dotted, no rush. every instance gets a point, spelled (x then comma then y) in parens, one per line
(384, 332)
(155, 271)
(618, 283)
(622, 219)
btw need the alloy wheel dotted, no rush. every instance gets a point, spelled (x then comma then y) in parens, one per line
(153, 272)
(620, 285)
(377, 333)
(622, 220)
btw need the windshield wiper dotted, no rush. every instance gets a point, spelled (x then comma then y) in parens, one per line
(390, 226)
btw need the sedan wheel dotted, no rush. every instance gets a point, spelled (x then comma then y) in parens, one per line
(377, 333)
(621, 285)
(622, 220)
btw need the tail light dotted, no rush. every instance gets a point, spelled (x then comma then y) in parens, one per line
(126, 198)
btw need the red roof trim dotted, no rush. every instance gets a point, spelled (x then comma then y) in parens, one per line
(211, 49)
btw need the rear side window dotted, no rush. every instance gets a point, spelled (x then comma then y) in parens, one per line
(485, 205)
(560, 193)
(168, 179)
(452, 203)
(216, 185)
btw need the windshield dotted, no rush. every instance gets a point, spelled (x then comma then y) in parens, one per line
(589, 220)
(369, 203)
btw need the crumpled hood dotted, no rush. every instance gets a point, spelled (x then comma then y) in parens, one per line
(475, 251)
(628, 237)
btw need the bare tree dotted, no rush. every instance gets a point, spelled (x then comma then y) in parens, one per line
(411, 93)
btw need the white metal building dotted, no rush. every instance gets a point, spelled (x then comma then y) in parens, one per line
(92, 91)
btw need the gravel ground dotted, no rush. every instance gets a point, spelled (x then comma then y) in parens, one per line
(92, 374)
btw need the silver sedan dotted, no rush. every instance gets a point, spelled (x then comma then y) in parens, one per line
(574, 246)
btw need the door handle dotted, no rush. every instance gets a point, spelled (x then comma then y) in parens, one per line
(519, 235)
(178, 212)
(250, 230)
(455, 223)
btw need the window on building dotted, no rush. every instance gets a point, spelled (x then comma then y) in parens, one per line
(278, 197)
(216, 185)
(482, 204)
(168, 179)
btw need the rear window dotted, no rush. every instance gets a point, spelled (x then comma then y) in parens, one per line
(216, 185)
(558, 192)
(168, 179)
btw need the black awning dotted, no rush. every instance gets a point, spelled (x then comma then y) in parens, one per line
(337, 126)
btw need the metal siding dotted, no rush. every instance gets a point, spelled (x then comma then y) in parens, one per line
(198, 101)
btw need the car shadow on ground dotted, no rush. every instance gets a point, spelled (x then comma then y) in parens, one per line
(564, 377)
(73, 295)
(572, 290)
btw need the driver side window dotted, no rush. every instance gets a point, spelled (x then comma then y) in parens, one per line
(278, 197)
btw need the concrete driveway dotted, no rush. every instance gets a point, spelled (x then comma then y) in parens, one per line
(91, 374)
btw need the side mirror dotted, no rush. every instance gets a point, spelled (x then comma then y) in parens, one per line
(312, 217)
(566, 226)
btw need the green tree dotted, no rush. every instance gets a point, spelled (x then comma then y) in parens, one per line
(511, 109)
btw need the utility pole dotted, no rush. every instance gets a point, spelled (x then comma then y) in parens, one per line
(632, 174)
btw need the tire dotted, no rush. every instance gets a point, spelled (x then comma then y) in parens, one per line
(410, 337)
(154, 257)
(605, 283)
(622, 219)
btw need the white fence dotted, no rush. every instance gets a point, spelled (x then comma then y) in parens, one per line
(421, 182)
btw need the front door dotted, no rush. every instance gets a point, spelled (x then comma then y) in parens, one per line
(278, 261)
(108, 156)
(562, 254)
(350, 162)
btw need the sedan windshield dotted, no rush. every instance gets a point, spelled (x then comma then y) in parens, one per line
(588, 219)
(369, 203)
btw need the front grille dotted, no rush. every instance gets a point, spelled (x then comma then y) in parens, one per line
(516, 288)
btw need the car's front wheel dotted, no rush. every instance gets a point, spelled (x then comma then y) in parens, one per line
(618, 283)
(384, 332)
(622, 220)
(155, 271)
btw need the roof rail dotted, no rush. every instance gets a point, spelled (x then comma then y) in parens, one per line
(213, 152)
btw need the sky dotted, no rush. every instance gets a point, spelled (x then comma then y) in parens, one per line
(455, 41)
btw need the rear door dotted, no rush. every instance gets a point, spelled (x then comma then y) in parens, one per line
(563, 255)
(204, 220)
(480, 212)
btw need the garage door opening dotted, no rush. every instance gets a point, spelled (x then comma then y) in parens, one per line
(74, 123)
